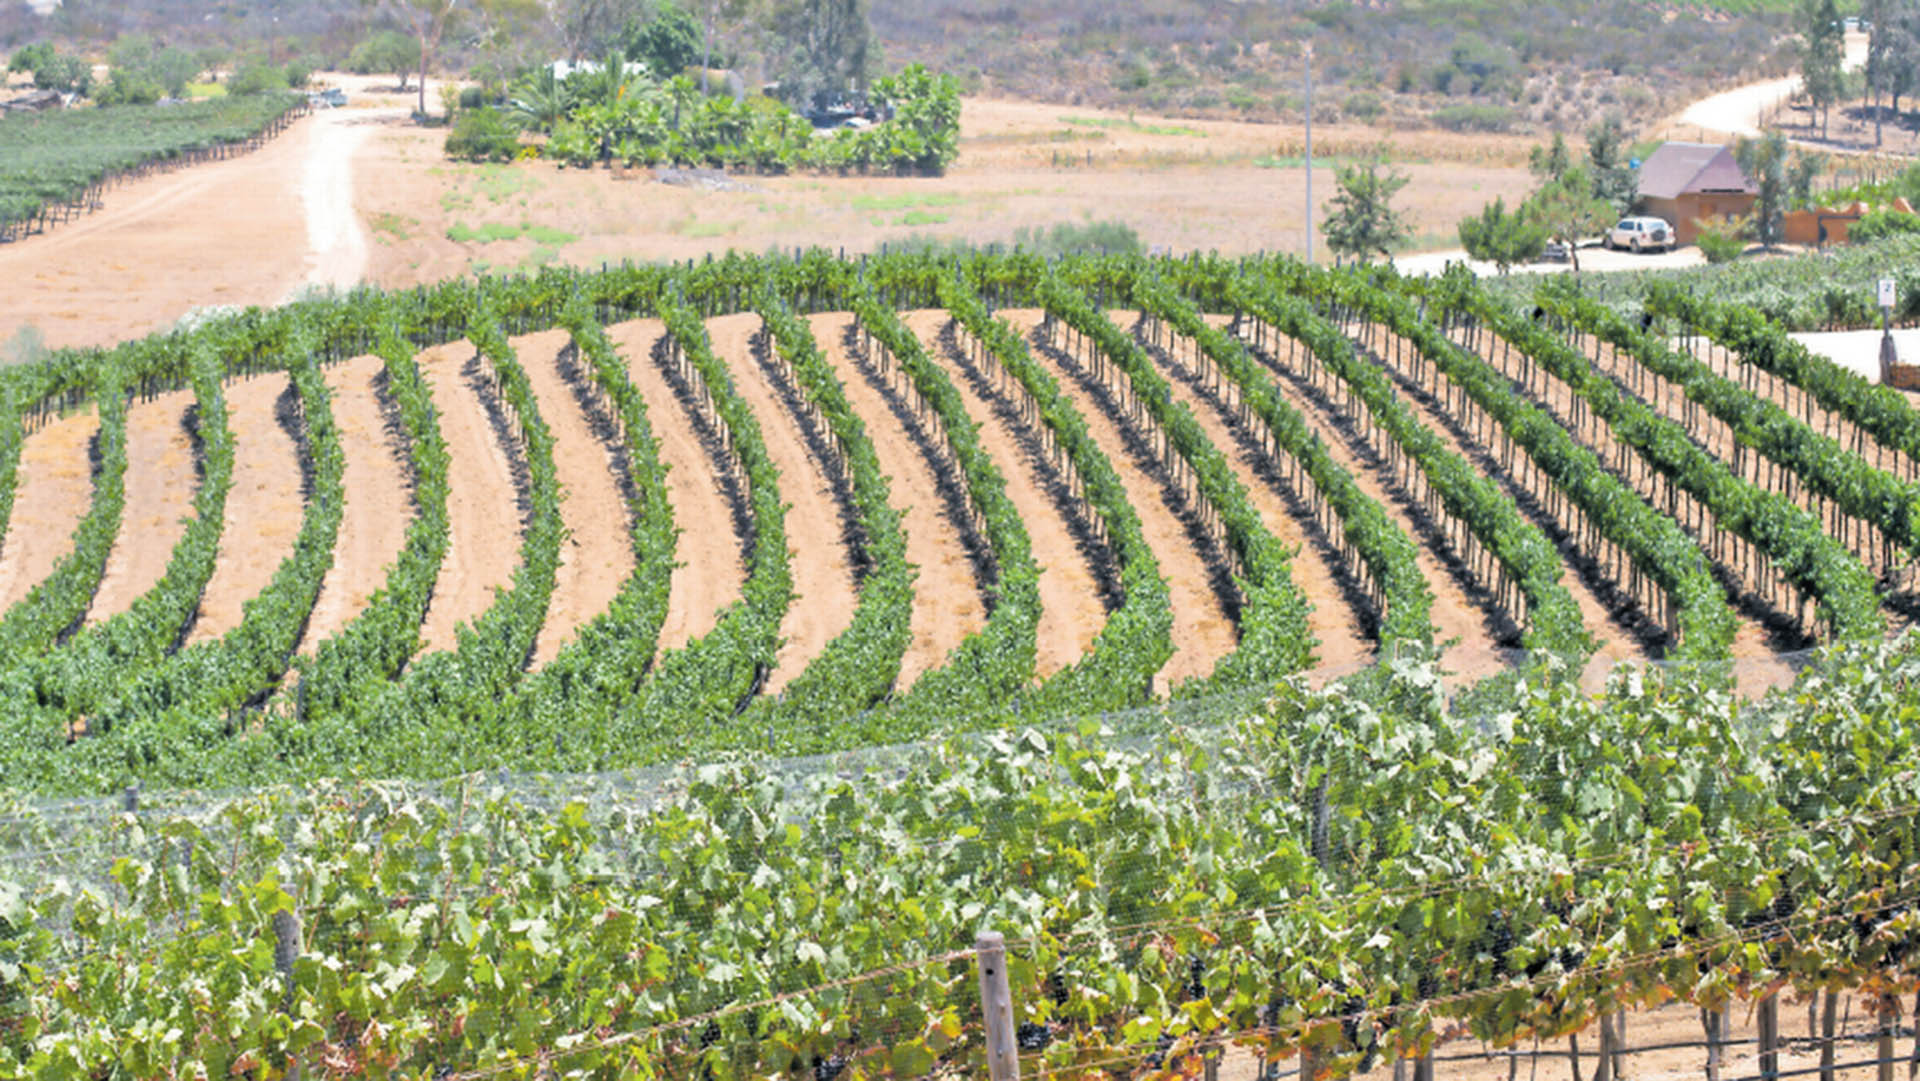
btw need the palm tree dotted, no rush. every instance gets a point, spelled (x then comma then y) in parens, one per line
(540, 100)
(684, 92)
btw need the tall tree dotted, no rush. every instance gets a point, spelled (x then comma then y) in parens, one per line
(1570, 212)
(1607, 169)
(1764, 160)
(1822, 52)
(823, 49)
(1550, 163)
(1501, 237)
(428, 21)
(1363, 221)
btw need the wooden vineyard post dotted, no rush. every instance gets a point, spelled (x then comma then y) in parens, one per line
(1769, 1021)
(287, 947)
(1883, 1044)
(996, 1006)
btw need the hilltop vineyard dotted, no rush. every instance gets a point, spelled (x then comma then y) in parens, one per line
(1031, 551)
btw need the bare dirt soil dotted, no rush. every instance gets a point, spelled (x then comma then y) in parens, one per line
(816, 528)
(1464, 626)
(226, 233)
(1232, 186)
(159, 500)
(1203, 629)
(379, 504)
(708, 572)
(1072, 608)
(264, 505)
(596, 559)
(1654, 1027)
(51, 494)
(947, 606)
(483, 497)
(1334, 621)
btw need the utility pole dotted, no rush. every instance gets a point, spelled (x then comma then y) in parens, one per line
(1307, 51)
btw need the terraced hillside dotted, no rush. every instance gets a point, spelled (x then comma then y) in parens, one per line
(584, 521)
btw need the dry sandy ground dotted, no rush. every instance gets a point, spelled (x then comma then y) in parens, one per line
(159, 500)
(264, 505)
(483, 510)
(1071, 613)
(1180, 184)
(824, 595)
(51, 494)
(946, 595)
(379, 504)
(708, 573)
(596, 559)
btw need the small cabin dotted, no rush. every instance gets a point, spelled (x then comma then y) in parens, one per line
(1687, 183)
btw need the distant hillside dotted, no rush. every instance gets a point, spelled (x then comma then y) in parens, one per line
(1462, 64)
(1470, 64)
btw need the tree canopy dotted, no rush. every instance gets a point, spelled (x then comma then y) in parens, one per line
(1363, 222)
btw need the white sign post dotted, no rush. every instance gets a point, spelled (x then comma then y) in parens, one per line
(1889, 356)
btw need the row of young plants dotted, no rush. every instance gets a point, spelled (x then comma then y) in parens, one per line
(1821, 463)
(1274, 638)
(858, 667)
(988, 667)
(66, 156)
(1882, 412)
(377, 643)
(1274, 293)
(168, 716)
(1389, 555)
(1117, 670)
(1801, 551)
(84, 673)
(1159, 896)
(698, 690)
(709, 680)
(585, 685)
(57, 603)
(425, 715)
(1653, 541)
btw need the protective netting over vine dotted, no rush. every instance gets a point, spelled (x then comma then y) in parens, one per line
(1359, 873)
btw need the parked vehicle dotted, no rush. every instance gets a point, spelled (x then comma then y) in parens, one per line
(1641, 234)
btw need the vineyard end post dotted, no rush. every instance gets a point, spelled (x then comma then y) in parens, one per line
(996, 1006)
(287, 947)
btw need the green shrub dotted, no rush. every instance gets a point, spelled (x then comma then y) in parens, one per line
(257, 77)
(1721, 240)
(1879, 224)
(482, 134)
(1092, 238)
(1468, 117)
(1364, 107)
(473, 97)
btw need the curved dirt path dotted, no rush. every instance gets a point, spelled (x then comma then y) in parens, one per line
(708, 571)
(51, 494)
(336, 241)
(264, 506)
(161, 484)
(1739, 111)
(596, 559)
(379, 505)
(1456, 618)
(483, 499)
(946, 595)
(1203, 633)
(1071, 609)
(824, 594)
(1341, 646)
